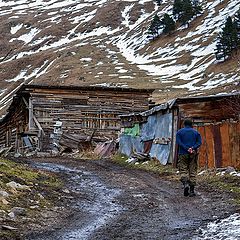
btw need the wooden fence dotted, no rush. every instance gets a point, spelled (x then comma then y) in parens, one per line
(220, 145)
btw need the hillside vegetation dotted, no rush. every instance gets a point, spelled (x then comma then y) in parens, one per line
(92, 42)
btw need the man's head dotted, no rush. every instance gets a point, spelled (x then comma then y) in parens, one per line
(188, 122)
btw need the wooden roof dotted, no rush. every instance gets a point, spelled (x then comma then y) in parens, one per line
(84, 88)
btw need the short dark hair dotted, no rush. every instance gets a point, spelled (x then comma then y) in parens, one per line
(188, 122)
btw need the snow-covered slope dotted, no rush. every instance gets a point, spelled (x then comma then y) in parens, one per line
(104, 42)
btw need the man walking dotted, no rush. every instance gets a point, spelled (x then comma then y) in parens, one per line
(188, 140)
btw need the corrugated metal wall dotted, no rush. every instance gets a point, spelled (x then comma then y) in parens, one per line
(221, 145)
(162, 129)
(158, 126)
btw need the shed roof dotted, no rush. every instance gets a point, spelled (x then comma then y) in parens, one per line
(88, 88)
(206, 98)
(177, 101)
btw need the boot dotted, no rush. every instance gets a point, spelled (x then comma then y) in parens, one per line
(192, 193)
(186, 189)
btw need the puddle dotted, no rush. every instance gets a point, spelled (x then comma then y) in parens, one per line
(100, 204)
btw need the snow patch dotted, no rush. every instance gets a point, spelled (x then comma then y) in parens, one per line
(27, 38)
(228, 228)
(16, 28)
(86, 59)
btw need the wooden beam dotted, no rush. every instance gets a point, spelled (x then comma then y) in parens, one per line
(33, 117)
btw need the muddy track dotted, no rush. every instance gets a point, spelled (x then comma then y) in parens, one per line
(113, 202)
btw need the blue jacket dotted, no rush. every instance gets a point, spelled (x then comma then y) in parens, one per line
(188, 137)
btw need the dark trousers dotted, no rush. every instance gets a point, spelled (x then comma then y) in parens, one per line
(187, 164)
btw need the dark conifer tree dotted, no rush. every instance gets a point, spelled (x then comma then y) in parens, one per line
(153, 30)
(237, 26)
(227, 40)
(230, 35)
(220, 52)
(177, 8)
(187, 12)
(168, 24)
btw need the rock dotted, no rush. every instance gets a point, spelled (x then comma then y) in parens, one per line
(47, 214)
(4, 194)
(11, 215)
(18, 186)
(2, 213)
(18, 211)
(4, 201)
(230, 169)
(43, 154)
(71, 36)
(6, 227)
(34, 207)
(132, 160)
(17, 155)
(30, 154)
(40, 196)
(66, 191)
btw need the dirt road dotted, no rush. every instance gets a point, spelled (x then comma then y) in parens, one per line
(109, 201)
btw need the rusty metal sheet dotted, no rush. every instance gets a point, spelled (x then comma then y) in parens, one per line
(210, 146)
(232, 146)
(238, 146)
(203, 155)
(218, 145)
(221, 145)
(226, 156)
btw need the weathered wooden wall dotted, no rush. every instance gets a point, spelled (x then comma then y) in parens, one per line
(220, 145)
(210, 108)
(15, 123)
(85, 111)
(82, 110)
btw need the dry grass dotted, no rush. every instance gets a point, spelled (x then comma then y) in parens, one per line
(84, 73)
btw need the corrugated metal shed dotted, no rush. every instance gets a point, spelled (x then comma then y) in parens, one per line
(208, 113)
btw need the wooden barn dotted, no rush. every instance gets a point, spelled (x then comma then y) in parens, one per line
(44, 117)
(215, 117)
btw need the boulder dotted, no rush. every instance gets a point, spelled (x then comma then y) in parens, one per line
(230, 169)
(11, 215)
(18, 211)
(4, 194)
(17, 186)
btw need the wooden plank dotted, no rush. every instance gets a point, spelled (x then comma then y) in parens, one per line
(203, 158)
(226, 156)
(174, 132)
(217, 145)
(210, 146)
(237, 145)
(232, 129)
(30, 115)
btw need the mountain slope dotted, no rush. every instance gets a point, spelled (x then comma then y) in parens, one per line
(104, 42)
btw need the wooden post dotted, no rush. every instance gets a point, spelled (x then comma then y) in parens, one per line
(30, 115)
(16, 140)
(7, 138)
(175, 125)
